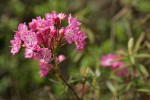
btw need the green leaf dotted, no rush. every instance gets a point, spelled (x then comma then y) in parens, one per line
(132, 59)
(63, 91)
(91, 73)
(142, 56)
(144, 90)
(139, 41)
(130, 46)
(77, 56)
(111, 87)
(129, 85)
(144, 5)
(97, 72)
(90, 35)
(53, 81)
(120, 30)
(143, 70)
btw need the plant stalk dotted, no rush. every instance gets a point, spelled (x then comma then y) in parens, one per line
(69, 86)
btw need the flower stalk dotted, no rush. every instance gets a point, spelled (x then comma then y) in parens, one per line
(69, 86)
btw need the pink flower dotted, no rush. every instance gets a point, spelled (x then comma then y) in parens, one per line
(16, 45)
(53, 31)
(73, 21)
(52, 17)
(33, 25)
(44, 68)
(30, 40)
(22, 27)
(60, 58)
(116, 64)
(28, 53)
(122, 72)
(45, 54)
(74, 34)
(71, 34)
(62, 31)
(38, 24)
(80, 45)
(22, 31)
(32, 52)
(61, 16)
(107, 60)
(110, 60)
(81, 36)
(42, 37)
(43, 72)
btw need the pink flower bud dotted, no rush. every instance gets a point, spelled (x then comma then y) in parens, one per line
(60, 58)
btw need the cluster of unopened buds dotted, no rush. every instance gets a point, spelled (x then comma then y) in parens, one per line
(111, 60)
(42, 37)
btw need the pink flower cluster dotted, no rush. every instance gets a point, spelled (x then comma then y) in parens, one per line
(110, 60)
(42, 36)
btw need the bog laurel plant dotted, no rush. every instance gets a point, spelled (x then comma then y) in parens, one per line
(43, 37)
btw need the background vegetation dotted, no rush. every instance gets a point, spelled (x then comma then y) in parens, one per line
(109, 24)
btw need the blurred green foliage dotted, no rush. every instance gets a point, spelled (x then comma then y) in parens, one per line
(109, 24)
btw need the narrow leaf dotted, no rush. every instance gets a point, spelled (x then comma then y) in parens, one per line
(144, 90)
(130, 46)
(143, 70)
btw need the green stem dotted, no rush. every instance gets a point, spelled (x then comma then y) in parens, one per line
(69, 86)
(83, 86)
